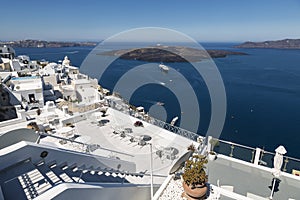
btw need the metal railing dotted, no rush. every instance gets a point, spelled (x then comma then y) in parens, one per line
(177, 130)
(235, 150)
(289, 163)
(231, 149)
(126, 109)
(88, 148)
(247, 154)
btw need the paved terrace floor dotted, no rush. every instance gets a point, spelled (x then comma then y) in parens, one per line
(249, 178)
(163, 143)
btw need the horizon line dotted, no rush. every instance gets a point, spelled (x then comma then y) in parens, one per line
(100, 40)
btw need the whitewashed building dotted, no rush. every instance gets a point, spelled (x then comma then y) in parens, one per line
(28, 90)
(86, 91)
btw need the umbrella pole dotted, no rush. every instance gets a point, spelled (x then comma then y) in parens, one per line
(272, 191)
(151, 170)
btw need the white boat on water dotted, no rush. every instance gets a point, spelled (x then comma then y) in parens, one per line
(174, 120)
(90, 148)
(163, 67)
(160, 103)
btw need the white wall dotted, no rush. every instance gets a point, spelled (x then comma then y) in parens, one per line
(87, 93)
(37, 93)
(94, 192)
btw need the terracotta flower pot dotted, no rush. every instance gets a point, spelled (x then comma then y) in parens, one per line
(196, 193)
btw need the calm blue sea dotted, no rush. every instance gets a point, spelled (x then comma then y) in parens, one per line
(262, 88)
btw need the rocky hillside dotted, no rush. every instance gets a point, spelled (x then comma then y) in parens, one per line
(278, 44)
(46, 44)
(170, 54)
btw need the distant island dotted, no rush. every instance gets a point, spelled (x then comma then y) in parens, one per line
(278, 44)
(169, 54)
(45, 44)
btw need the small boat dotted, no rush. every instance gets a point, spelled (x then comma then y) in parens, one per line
(174, 120)
(160, 103)
(164, 67)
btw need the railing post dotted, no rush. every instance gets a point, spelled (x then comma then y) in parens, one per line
(209, 146)
(286, 160)
(231, 151)
(252, 157)
(257, 156)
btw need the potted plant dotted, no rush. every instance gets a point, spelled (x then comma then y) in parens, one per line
(212, 154)
(191, 148)
(195, 178)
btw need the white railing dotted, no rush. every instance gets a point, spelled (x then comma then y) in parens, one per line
(255, 155)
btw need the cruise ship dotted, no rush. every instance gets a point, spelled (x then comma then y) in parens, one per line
(163, 67)
(63, 136)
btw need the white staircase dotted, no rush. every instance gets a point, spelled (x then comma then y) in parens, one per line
(29, 178)
(33, 183)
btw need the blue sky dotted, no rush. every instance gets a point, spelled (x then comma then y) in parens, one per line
(203, 20)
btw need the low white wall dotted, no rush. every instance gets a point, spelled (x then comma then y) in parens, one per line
(94, 192)
(25, 150)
